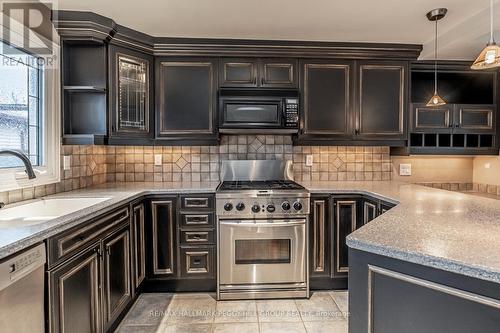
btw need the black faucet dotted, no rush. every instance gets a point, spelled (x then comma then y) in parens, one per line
(22, 157)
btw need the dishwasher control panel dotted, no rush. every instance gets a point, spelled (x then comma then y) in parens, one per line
(21, 264)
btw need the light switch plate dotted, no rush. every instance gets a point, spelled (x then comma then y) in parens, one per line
(405, 169)
(66, 162)
(309, 160)
(158, 160)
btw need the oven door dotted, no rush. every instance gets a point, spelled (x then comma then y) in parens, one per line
(251, 113)
(262, 252)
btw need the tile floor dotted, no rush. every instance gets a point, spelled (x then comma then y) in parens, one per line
(200, 312)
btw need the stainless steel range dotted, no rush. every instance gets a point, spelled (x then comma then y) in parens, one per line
(262, 232)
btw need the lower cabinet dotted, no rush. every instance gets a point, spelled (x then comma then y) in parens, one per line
(333, 218)
(91, 290)
(138, 245)
(181, 240)
(116, 272)
(74, 289)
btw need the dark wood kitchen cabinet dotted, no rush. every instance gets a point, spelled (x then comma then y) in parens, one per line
(89, 288)
(353, 102)
(382, 100)
(117, 274)
(138, 244)
(74, 290)
(258, 72)
(326, 90)
(320, 237)
(163, 237)
(131, 95)
(348, 217)
(186, 100)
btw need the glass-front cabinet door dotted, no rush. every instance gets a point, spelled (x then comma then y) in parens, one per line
(130, 92)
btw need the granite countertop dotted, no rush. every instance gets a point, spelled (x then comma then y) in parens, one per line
(13, 239)
(452, 231)
(446, 230)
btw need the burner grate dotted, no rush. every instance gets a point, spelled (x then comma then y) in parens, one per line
(260, 185)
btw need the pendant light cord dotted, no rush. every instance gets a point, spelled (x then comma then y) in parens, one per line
(435, 59)
(492, 40)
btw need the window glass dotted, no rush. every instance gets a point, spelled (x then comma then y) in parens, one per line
(20, 107)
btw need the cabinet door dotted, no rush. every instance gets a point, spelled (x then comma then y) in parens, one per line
(435, 119)
(116, 268)
(346, 215)
(278, 73)
(382, 88)
(186, 97)
(237, 72)
(319, 237)
(326, 96)
(130, 92)
(475, 118)
(74, 289)
(139, 249)
(163, 237)
(370, 210)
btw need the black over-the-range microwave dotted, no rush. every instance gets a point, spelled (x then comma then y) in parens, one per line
(258, 111)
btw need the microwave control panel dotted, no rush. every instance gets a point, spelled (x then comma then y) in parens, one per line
(291, 112)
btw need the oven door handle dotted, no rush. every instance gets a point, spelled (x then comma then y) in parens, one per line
(278, 223)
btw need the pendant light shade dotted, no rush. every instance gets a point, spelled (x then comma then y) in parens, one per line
(490, 55)
(435, 15)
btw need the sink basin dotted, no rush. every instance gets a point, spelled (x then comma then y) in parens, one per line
(43, 210)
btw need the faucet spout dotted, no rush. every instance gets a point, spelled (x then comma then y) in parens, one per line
(23, 158)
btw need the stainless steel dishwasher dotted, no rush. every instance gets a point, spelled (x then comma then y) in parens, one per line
(22, 291)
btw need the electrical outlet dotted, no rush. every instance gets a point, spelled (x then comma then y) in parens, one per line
(66, 162)
(158, 159)
(309, 160)
(487, 165)
(405, 169)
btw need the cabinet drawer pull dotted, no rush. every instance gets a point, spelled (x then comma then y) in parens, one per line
(196, 202)
(194, 237)
(196, 219)
(197, 261)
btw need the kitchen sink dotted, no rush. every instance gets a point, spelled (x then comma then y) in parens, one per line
(43, 210)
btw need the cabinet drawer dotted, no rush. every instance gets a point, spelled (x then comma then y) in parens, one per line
(203, 220)
(195, 202)
(68, 243)
(197, 237)
(197, 262)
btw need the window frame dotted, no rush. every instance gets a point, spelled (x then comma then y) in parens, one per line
(48, 172)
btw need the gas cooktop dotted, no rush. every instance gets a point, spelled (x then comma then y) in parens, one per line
(259, 185)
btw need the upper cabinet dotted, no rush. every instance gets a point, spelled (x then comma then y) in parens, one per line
(382, 93)
(346, 101)
(186, 99)
(326, 98)
(466, 124)
(131, 93)
(258, 72)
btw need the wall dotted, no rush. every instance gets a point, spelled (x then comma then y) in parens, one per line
(487, 174)
(88, 167)
(430, 169)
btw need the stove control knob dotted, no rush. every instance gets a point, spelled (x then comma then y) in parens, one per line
(240, 206)
(228, 206)
(297, 205)
(255, 208)
(271, 208)
(285, 205)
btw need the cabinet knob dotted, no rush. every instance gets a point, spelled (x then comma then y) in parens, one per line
(356, 131)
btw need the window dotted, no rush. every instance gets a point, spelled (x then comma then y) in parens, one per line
(29, 107)
(21, 107)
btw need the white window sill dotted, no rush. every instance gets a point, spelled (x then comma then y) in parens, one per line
(16, 179)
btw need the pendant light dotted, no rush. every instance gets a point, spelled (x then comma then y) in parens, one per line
(435, 15)
(490, 55)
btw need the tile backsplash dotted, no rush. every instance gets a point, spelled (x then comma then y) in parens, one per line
(91, 165)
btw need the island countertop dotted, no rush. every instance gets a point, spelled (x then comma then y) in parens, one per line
(446, 230)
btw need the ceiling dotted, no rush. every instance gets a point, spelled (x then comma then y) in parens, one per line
(463, 32)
